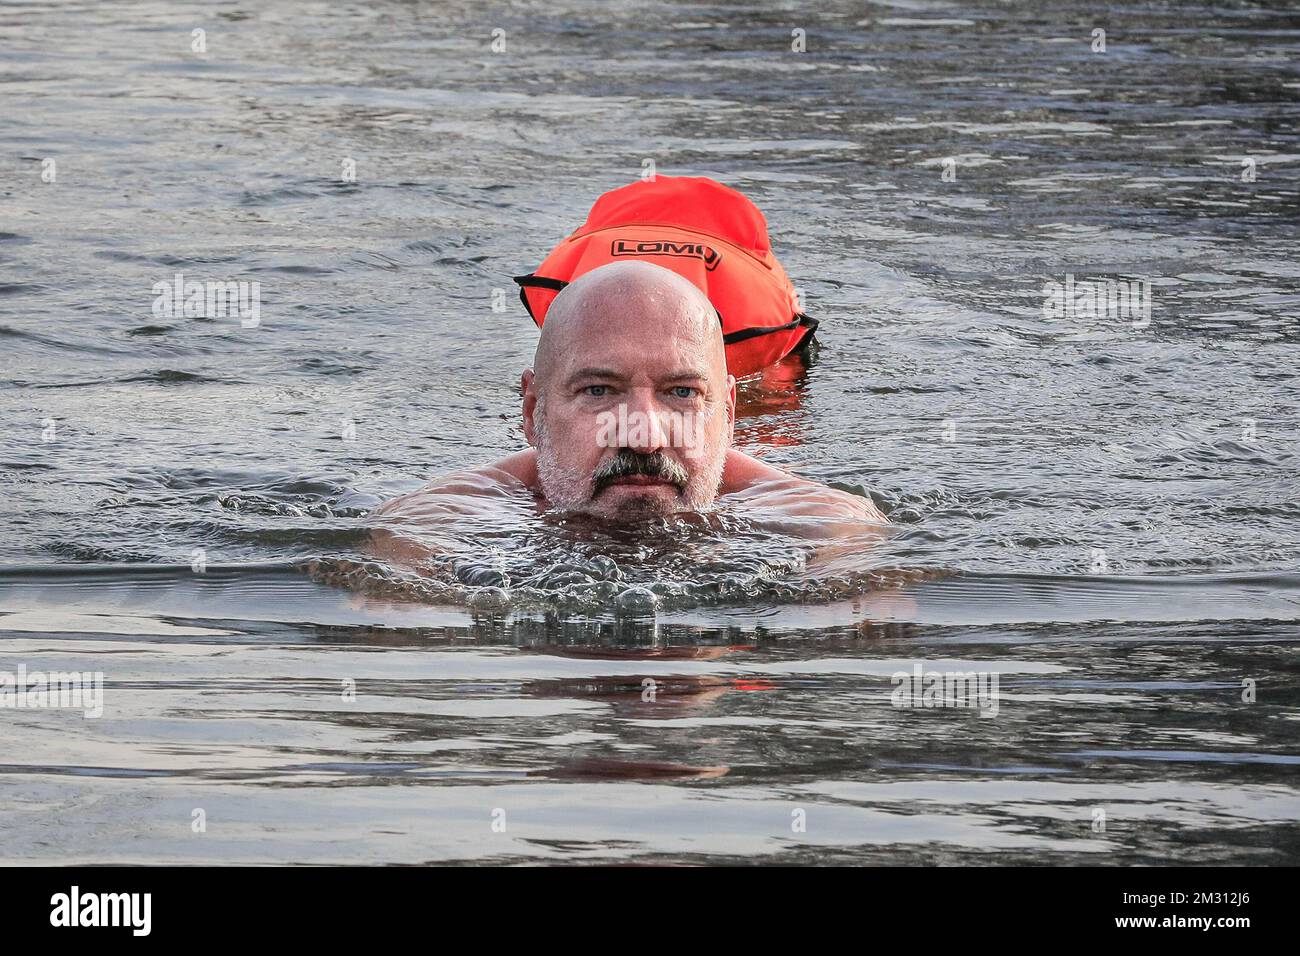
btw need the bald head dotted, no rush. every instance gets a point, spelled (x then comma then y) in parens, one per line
(628, 404)
(635, 301)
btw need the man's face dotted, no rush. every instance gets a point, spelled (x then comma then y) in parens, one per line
(635, 413)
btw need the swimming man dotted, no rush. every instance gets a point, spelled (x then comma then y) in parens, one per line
(629, 411)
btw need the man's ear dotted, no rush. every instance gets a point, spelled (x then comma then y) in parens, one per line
(527, 387)
(731, 407)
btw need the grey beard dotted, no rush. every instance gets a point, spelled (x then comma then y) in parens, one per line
(570, 489)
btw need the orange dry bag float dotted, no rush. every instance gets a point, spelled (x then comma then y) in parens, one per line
(702, 230)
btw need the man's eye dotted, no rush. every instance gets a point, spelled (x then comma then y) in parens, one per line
(596, 391)
(682, 391)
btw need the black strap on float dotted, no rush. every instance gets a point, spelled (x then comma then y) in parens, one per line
(534, 281)
(540, 282)
(801, 321)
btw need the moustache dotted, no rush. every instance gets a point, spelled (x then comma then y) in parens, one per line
(627, 463)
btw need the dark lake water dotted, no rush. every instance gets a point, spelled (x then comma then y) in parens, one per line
(1100, 513)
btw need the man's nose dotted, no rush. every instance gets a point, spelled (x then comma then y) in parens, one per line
(646, 432)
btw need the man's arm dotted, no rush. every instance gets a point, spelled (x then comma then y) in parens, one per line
(793, 504)
(409, 529)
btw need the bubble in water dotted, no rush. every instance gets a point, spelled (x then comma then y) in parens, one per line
(564, 579)
(606, 567)
(636, 600)
(489, 599)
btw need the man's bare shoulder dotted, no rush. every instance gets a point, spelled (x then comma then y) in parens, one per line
(510, 475)
(750, 483)
(742, 472)
(410, 529)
